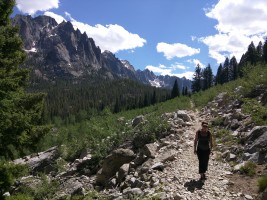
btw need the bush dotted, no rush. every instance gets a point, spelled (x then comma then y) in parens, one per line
(154, 128)
(20, 197)
(248, 169)
(8, 174)
(256, 110)
(262, 183)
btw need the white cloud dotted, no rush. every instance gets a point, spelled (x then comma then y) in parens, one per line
(32, 6)
(239, 23)
(178, 66)
(176, 50)
(163, 70)
(188, 75)
(112, 37)
(244, 16)
(196, 62)
(58, 18)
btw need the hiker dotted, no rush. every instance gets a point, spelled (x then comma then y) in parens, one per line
(202, 147)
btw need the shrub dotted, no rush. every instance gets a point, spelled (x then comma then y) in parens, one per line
(20, 197)
(256, 110)
(148, 132)
(262, 183)
(218, 121)
(8, 173)
(248, 169)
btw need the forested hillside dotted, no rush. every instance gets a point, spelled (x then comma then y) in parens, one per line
(69, 101)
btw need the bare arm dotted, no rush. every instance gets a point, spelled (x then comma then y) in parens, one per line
(195, 142)
(211, 141)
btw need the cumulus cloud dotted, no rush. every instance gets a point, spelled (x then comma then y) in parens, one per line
(112, 37)
(176, 50)
(242, 15)
(57, 17)
(196, 62)
(163, 70)
(32, 6)
(239, 23)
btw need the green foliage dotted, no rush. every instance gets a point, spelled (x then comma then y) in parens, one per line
(218, 121)
(225, 137)
(90, 195)
(20, 112)
(262, 183)
(105, 132)
(175, 90)
(257, 111)
(8, 173)
(20, 197)
(83, 100)
(46, 189)
(148, 132)
(248, 169)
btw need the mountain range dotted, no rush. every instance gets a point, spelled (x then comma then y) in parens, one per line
(58, 51)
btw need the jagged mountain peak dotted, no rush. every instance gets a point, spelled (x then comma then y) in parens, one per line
(59, 51)
(127, 65)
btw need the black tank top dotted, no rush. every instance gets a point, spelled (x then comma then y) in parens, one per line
(203, 141)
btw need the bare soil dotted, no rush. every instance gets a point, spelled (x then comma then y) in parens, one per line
(247, 184)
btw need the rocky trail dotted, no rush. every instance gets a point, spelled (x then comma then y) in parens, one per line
(173, 171)
(180, 179)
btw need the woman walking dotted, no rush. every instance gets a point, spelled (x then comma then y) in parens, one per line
(202, 147)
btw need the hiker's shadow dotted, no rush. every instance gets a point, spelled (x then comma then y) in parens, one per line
(193, 185)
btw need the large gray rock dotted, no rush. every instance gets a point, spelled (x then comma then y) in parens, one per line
(257, 140)
(183, 115)
(112, 164)
(40, 162)
(137, 120)
(150, 150)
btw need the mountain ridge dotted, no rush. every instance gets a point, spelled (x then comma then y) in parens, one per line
(57, 51)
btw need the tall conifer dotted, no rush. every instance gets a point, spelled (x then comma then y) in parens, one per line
(20, 112)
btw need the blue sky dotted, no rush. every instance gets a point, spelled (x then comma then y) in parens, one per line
(165, 36)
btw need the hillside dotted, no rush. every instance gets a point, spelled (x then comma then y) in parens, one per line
(151, 156)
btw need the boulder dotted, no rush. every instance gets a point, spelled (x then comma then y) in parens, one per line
(123, 172)
(112, 164)
(150, 150)
(183, 115)
(257, 140)
(138, 120)
(40, 162)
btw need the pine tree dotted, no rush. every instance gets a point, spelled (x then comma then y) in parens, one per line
(175, 90)
(154, 98)
(207, 77)
(218, 78)
(20, 111)
(252, 54)
(259, 52)
(196, 83)
(225, 70)
(233, 70)
(264, 51)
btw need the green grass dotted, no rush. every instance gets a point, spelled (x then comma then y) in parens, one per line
(248, 169)
(262, 183)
